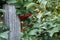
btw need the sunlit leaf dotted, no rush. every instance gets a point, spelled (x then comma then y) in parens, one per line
(4, 35)
(33, 32)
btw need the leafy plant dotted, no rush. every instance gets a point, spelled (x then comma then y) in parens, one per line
(40, 19)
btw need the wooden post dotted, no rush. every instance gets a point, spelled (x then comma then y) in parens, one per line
(12, 21)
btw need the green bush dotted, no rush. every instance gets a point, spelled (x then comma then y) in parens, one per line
(44, 21)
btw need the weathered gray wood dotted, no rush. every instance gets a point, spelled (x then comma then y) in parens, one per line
(11, 20)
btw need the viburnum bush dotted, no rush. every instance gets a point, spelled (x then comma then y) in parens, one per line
(40, 19)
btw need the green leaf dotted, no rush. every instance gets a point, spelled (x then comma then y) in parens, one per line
(39, 18)
(33, 32)
(11, 1)
(4, 35)
(58, 20)
(22, 34)
(2, 10)
(31, 5)
(39, 1)
(56, 29)
(44, 2)
(36, 25)
(30, 0)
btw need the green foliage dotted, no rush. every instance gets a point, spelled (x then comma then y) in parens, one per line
(45, 23)
(11, 1)
(1, 10)
(3, 32)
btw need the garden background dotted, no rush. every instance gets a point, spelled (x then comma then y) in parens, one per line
(40, 19)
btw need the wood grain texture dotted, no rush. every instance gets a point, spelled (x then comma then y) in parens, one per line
(12, 21)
